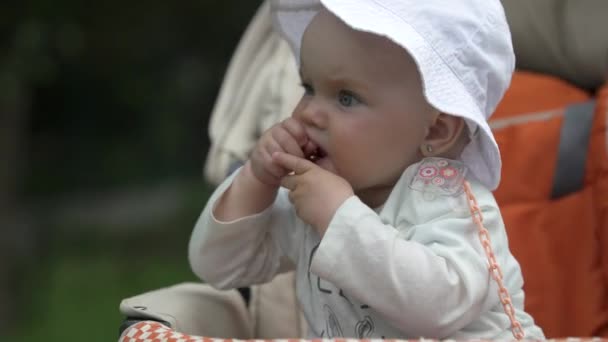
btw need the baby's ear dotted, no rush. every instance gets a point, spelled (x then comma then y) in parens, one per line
(443, 136)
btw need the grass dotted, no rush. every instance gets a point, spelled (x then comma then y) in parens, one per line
(79, 300)
(73, 292)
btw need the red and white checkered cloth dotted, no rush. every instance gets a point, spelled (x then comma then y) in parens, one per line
(150, 331)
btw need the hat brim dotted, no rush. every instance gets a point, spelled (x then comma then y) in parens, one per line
(441, 87)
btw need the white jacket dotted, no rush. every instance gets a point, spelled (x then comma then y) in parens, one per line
(415, 268)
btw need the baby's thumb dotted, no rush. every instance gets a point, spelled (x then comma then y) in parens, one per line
(290, 162)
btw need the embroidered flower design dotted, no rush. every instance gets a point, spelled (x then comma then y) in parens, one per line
(428, 172)
(439, 177)
(442, 163)
(449, 172)
(438, 181)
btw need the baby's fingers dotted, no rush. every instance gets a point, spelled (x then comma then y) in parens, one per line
(272, 167)
(296, 130)
(289, 182)
(287, 142)
(290, 162)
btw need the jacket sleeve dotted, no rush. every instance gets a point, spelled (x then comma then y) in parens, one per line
(246, 251)
(427, 278)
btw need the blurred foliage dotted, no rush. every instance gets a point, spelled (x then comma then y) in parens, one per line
(118, 92)
(111, 100)
(73, 291)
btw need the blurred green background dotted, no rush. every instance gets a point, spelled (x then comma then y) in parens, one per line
(103, 133)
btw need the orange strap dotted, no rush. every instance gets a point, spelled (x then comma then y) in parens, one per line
(484, 237)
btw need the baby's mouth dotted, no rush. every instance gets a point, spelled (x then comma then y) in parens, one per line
(317, 155)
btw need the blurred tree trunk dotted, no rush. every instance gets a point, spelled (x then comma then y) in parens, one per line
(13, 120)
(13, 130)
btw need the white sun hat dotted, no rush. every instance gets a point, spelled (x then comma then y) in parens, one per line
(462, 48)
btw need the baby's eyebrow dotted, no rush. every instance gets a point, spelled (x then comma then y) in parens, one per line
(346, 81)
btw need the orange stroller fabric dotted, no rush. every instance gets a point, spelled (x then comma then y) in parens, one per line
(554, 200)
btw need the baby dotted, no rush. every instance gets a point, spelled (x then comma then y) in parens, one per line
(377, 188)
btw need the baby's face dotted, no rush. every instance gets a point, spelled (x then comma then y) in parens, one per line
(363, 106)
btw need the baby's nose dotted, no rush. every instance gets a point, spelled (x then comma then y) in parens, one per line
(312, 114)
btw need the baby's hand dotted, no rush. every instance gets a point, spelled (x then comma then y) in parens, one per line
(315, 193)
(287, 136)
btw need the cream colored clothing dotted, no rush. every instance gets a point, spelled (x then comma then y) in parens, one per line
(261, 87)
(415, 268)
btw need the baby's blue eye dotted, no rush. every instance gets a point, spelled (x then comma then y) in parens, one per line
(347, 99)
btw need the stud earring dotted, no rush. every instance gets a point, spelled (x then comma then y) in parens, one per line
(429, 148)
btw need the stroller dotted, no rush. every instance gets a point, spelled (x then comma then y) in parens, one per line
(555, 205)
